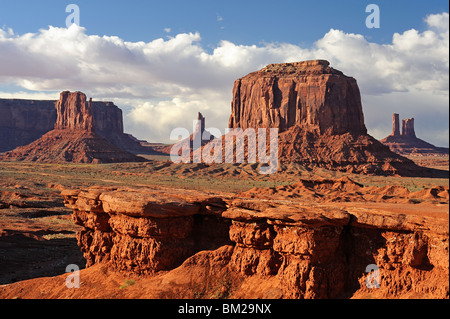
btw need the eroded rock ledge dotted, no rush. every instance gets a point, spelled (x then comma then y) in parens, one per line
(308, 250)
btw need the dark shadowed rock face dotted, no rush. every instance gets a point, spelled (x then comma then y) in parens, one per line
(24, 121)
(310, 94)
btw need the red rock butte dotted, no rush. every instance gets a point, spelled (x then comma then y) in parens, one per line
(25, 121)
(73, 139)
(198, 138)
(310, 94)
(407, 143)
(74, 112)
(318, 112)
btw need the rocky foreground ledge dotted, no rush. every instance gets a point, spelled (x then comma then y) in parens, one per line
(303, 249)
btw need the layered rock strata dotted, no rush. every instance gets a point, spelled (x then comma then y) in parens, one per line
(145, 231)
(407, 143)
(73, 139)
(318, 113)
(310, 94)
(305, 250)
(24, 121)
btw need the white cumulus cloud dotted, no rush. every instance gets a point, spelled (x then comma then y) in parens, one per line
(162, 84)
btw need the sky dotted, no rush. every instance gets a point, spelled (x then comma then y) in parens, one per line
(162, 62)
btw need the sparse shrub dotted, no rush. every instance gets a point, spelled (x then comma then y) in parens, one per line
(128, 283)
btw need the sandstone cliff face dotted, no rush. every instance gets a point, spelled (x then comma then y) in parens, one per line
(302, 250)
(24, 121)
(310, 94)
(74, 112)
(155, 231)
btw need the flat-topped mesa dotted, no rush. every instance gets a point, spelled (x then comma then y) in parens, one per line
(73, 112)
(309, 94)
(319, 116)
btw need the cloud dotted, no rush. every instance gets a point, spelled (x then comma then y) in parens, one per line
(438, 21)
(163, 83)
(167, 30)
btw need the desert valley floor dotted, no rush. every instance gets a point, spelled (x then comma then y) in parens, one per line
(33, 217)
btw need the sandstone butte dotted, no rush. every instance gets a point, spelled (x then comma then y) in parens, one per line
(407, 143)
(197, 139)
(73, 139)
(318, 112)
(258, 244)
(24, 121)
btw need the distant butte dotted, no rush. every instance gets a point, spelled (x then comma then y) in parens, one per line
(197, 139)
(406, 142)
(73, 139)
(24, 121)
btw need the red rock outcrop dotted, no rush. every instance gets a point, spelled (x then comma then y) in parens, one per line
(196, 140)
(310, 94)
(395, 125)
(408, 128)
(319, 117)
(108, 123)
(150, 231)
(303, 249)
(25, 121)
(73, 139)
(406, 142)
(74, 112)
(346, 190)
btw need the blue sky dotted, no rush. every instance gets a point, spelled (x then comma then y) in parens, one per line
(170, 59)
(243, 22)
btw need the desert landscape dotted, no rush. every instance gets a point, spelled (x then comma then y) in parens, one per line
(344, 215)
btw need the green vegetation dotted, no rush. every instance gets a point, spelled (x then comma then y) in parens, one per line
(128, 283)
